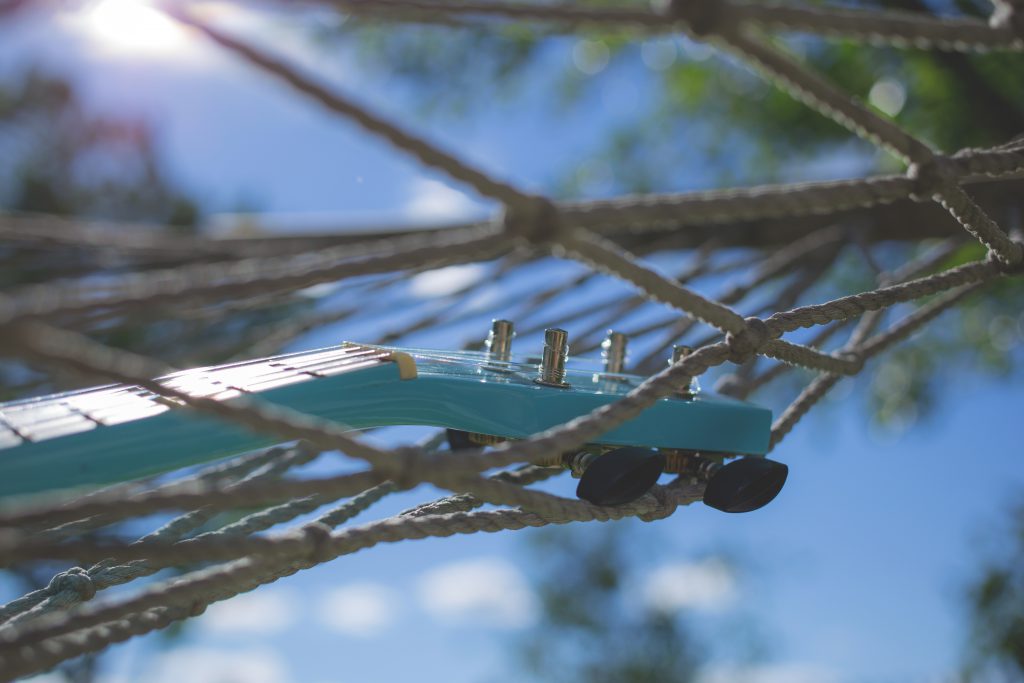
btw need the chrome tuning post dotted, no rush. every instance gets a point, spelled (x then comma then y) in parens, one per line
(688, 389)
(499, 341)
(556, 351)
(613, 350)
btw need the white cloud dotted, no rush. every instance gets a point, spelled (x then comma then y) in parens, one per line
(208, 665)
(359, 609)
(484, 590)
(707, 585)
(789, 672)
(263, 611)
(444, 281)
(431, 200)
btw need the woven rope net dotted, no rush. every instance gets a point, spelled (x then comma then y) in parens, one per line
(45, 325)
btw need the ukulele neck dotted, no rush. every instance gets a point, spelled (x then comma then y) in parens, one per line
(33, 420)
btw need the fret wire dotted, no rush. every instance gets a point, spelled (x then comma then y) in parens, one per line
(322, 357)
(267, 385)
(129, 415)
(331, 371)
(342, 363)
(72, 424)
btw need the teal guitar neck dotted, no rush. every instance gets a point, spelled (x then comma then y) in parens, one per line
(118, 433)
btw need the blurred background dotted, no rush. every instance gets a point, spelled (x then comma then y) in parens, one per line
(896, 552)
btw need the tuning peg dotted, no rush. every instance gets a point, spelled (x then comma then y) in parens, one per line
(459, 440)
(556, 351)
(690, 387)
(678, 351)
(745, 485)
(613, 349)
(613, 478)
(499, 341)
(620, 476)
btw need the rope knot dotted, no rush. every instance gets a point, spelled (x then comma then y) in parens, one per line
(320, 536)
(406, 467)
(1013, 267)
(929, 177)
(855, 358)
(534, 219)
(1008, 14)
(702, 17)
(667, 504)
(743, 345)
(75, 580)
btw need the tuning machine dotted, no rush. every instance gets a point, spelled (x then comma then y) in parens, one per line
(622, 475)
(459, 440)
(607, 477)
(617, 476)
(688, 387)
(499, 340)
(742, 485)
(498, 347)
(613, 351)
(551, 372)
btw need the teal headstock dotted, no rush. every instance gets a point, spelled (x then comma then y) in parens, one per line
(691, 433)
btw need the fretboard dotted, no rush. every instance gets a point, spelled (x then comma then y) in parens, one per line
(33, 420)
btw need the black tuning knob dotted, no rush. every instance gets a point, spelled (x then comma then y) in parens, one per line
(745, 485)
(620, 476)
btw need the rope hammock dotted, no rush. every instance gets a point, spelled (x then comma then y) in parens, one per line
(43, 324)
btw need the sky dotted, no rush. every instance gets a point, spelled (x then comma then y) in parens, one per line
(853, 574)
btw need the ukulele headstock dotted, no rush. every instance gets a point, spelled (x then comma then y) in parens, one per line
(610, 473)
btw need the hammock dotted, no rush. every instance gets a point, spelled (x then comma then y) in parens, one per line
(44, 325)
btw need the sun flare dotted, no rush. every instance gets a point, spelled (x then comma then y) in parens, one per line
(133, 26)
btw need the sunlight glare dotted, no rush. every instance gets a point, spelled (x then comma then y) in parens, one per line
(133, 26)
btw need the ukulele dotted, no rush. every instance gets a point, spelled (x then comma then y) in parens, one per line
(118, 433)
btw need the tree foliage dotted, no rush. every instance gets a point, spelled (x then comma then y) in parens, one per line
(759, 134)
(997, 608)
(62, 159)
(587, 630)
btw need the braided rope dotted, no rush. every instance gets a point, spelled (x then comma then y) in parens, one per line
(250, 277)
(52, 624)
(63, 592)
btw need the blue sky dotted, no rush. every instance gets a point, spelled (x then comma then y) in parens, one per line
(853, 574)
